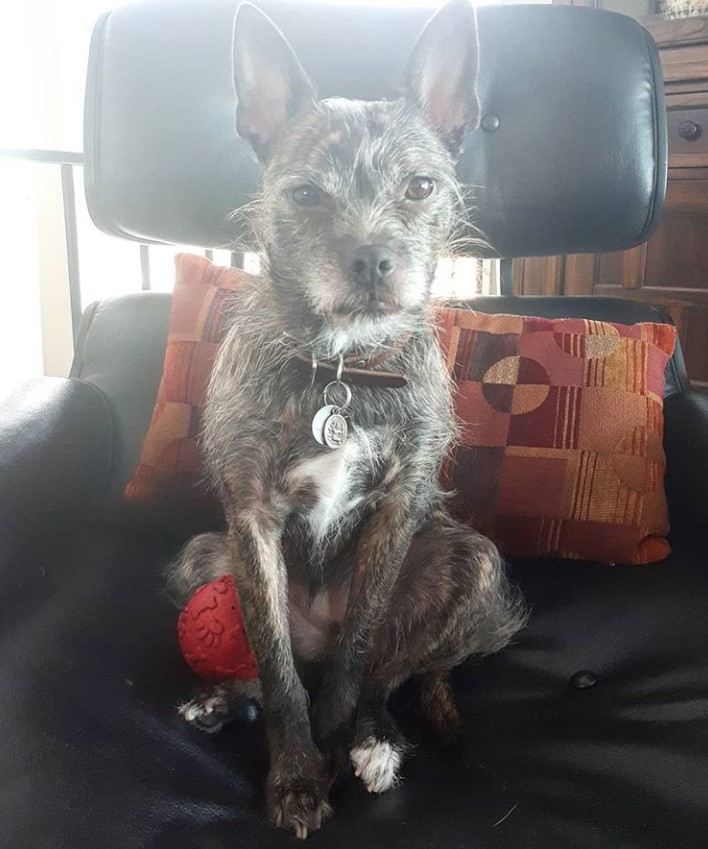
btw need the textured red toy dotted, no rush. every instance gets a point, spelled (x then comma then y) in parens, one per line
(211, 633)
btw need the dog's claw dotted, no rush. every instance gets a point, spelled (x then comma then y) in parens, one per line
(207, 713)
(302, 815)
(299, 802)
(377, 764)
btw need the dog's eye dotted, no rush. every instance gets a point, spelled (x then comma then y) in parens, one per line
(420, 188)
(307, 195)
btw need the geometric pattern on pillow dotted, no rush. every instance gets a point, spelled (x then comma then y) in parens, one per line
(561, 426)
(170, 469)
(561, 423)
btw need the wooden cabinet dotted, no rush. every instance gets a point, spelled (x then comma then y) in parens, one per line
(672, 268)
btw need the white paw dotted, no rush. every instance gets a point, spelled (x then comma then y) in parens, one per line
(207, 714)
(376, 763)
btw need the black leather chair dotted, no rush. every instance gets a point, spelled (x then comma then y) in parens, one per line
(591, 731)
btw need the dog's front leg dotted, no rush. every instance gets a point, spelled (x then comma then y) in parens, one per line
(381, 549)
(297, 782)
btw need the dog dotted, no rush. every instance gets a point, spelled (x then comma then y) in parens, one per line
(329, 415)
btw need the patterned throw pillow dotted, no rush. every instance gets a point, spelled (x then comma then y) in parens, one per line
(170, 468)
(561, 423)
(561, 434)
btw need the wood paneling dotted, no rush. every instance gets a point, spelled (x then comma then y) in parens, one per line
(686, 197)
(696, 344)
(677, 255)
(580, 271)
(656, 295)
(673, 33)
(539, 275)
(688, 174)
(688, 137)
(633, 267)
(609, 269)
(685, 63)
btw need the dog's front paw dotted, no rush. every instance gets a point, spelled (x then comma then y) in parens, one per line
(297, 801)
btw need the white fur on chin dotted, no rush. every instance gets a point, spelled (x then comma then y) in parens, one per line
(345, 335)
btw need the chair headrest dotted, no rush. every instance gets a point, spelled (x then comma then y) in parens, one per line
(570, 156)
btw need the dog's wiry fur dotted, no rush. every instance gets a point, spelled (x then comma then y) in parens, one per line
(352, 575)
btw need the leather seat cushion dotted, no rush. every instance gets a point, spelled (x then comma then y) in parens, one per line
(94, 754)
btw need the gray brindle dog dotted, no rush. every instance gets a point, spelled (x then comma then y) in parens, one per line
(352, 575)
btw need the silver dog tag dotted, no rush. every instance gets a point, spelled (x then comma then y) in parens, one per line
(329, 427)
(318, 422)
(335, 431)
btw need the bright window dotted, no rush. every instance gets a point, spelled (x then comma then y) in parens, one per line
(43, 55)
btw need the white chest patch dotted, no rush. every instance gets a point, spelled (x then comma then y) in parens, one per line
(334, 476)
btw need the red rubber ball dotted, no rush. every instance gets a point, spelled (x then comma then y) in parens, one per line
(211, 633)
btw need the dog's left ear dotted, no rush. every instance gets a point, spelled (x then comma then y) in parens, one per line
(442, 73)
(271, 85)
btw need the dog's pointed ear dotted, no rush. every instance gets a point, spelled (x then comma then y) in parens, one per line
(271, 85)
(442, 72)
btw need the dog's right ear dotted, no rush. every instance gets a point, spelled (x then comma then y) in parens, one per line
(271, 85)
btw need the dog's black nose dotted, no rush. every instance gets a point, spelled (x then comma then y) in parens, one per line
(370, 265)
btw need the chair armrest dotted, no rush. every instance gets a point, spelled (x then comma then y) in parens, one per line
(686, 444)
(56, 445)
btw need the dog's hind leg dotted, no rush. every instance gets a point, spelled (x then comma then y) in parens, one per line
(379, 746)
(437, 702)
(215, 706)
(203, 559)
(451, 600)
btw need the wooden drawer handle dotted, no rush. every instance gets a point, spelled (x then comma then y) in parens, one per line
(690, 130)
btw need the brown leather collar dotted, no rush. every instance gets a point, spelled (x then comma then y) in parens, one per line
(360, 369)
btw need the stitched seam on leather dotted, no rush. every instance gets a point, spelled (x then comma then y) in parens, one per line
(673, 368)
(655, 78)
(77, 364)
(91, 158)
(678, 379)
